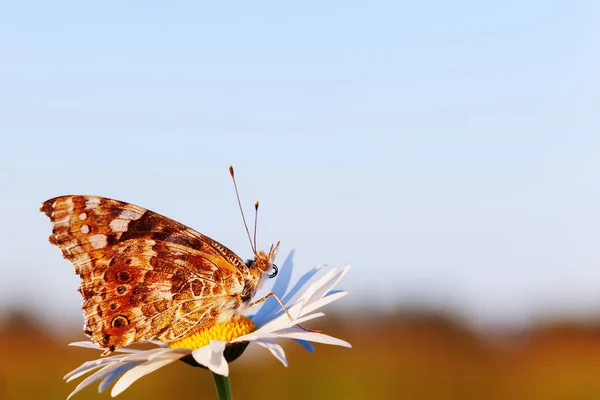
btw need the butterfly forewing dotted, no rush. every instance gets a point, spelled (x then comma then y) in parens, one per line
(144, 276)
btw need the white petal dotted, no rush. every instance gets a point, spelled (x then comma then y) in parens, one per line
(152, 354)
(87, 344)
(95, 346)
(267, 326)
(301, 283)
(80, 372)
(321, 287)
(250, 337)
(305, 318)
(323, 302)
(295, 333)
(272, 331)
(211, 356)
(96, 376)
(113, 375)
(275, 349)
(140, 370)
(282, 319)
(136, 356)
(278, 322)
(90, 366)
(283, 322)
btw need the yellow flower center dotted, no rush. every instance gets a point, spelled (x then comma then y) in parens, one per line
(226, 332)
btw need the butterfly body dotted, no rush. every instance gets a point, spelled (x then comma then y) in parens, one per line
(148, 277)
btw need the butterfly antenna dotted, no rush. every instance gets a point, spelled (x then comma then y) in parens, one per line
(255, 220)
(237, 194)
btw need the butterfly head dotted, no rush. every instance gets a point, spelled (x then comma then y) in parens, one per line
(264, 262)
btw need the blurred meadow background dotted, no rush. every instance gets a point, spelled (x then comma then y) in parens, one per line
(449, 151)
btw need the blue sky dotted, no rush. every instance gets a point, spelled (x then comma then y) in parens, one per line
(448, 150)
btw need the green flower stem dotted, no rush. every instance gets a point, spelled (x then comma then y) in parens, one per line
(223, 387)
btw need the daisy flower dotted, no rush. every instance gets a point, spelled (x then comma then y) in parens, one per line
(215, 347)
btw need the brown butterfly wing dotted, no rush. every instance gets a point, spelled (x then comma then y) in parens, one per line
(144, 276)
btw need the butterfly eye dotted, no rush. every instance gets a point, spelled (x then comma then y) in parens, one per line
(274, 274)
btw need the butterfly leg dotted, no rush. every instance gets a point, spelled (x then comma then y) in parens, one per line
(272, 294)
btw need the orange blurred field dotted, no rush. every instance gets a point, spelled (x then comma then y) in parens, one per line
(403, 356)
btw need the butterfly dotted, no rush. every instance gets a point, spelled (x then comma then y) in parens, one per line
(147, 277)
